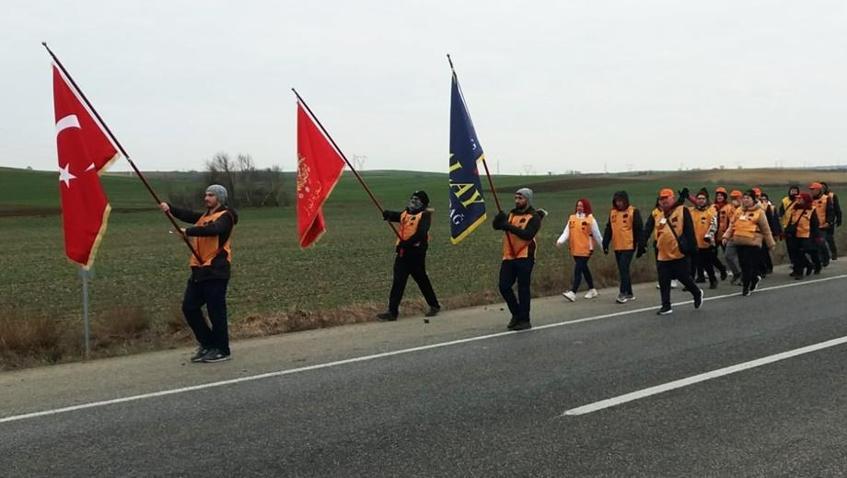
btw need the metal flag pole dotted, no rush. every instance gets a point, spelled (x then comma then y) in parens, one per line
(350, 165)
(122, 150)
(85, 274)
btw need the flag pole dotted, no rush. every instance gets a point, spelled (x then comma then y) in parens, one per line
(122, 150)
(341, 153)
(484, 163)
(85, 274)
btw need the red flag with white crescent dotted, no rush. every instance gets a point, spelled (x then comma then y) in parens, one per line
(319, 167)
(84, 152)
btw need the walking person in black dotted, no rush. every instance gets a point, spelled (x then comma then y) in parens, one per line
(520, 227)
(411, 254)
(212, 240)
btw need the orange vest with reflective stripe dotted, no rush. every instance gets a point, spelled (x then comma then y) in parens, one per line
(579, 239)
(820, 205)
(724, 215)
(208, 247)
(513, 246)
(747, 223)
(702, 222)
(409, 225)
(667, 244)
(621, 221)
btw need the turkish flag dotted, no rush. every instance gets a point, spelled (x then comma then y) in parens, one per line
(319, 167)
(84, 151)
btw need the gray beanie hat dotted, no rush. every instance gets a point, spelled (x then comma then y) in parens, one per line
(527, 193)
(218, 191)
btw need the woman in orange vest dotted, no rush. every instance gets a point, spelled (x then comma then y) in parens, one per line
(581, 233)
(801, 237)
(748, 232)
(623, 233)
(212, 240)
(411, 250)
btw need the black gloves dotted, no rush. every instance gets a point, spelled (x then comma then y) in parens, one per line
(385, 215)
(500, 221)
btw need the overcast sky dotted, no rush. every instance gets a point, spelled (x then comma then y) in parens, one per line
(551, 86)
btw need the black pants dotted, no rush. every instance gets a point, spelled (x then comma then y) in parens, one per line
(624, 259)
(519, 270)
(212, 293)
(803, 254)
(717, 262)
(410, 264)
(580, 269)
(765, 262)
(703, 264)
(680, 270)
(750, 258)
(829, 234)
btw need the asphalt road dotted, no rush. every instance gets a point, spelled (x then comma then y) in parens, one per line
(495, 407)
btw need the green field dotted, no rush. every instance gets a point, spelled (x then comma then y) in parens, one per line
(141, 269)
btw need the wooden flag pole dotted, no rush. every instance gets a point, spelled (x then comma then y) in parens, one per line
(122, 150)
(341, 153)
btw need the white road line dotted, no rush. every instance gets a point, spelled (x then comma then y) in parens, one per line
(629, 397)
(365, 358)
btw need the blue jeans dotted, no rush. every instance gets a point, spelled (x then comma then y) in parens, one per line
(624, 259)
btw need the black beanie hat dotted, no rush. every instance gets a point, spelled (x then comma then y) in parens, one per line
(422, 196)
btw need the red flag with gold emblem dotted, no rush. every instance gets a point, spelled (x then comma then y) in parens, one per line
(319, 167)
(84, 152)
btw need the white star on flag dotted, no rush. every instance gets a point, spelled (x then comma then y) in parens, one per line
(65, 175)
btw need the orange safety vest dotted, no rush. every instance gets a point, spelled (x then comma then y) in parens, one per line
(513, 246)
(657, 216)
(409, 225)
(702, 222)
(747, 223)
(802, 219)
(208, 247)
(724, 214)
(667, 244)
(621, 221)
(820, 205)
(580, 237)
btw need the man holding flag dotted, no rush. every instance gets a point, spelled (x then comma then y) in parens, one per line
(411, 247)
(520, 227)
(212, 233)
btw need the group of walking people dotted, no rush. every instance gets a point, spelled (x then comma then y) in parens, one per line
(686, 241)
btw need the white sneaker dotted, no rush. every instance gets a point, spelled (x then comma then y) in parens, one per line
(621, 299)
(658, 286)
(592, 293)
(569, 295)
(674, 284)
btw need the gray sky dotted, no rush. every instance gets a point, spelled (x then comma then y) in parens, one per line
(551, 86)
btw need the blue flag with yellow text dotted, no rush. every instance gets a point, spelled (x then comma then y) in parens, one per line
(467, 206)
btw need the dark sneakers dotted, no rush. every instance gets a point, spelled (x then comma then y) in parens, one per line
(512, 323)
(665, 311)
(386, 317)
(215, 356)
(199, 354)
(698, 301)
(522, 325)
(433, 311)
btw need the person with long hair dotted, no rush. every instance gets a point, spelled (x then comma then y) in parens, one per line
(623, 233)
(581, 233)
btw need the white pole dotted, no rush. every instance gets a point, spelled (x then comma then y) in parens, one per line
(84, 273)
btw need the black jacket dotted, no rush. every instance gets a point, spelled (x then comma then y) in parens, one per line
(419, 242)
(222, 227)
(501, 222)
